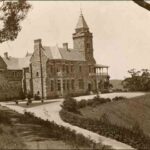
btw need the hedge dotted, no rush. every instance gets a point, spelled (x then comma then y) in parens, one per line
(133, 137)
(63, 133)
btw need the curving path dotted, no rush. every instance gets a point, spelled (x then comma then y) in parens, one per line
(51, 112)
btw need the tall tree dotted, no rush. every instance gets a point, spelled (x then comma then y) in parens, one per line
(11, 15)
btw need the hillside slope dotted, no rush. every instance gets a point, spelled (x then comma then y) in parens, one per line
(116, 84)
(124, 113)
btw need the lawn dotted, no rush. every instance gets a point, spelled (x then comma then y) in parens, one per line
(124, 113)
(18, 133)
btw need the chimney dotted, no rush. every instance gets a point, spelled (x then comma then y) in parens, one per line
(37, 44)
(6, 55)
(65, 46)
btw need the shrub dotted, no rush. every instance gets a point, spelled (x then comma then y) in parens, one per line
(4, 118)
(82, 103)
(93, 102)
(118, 98)
(36, 97)
(70, 104)
(60, 132)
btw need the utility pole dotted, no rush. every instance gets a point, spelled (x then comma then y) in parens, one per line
(41, 69)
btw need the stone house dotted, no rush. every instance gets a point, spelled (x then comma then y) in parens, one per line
(11, 76)
(53, 71)
(58, 71)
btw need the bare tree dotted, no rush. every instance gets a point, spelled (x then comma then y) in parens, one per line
(11, 15)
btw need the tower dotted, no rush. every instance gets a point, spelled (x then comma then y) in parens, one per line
(83, 39)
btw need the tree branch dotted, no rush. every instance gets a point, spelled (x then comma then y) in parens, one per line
(143, 4)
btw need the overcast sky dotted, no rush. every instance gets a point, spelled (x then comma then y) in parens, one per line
(121, 35)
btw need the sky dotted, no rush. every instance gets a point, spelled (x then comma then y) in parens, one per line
(121, 36)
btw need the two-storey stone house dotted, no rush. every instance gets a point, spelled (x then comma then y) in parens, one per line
(53, 71)
(58, 71)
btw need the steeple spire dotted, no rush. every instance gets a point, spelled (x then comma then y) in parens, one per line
(81, 22)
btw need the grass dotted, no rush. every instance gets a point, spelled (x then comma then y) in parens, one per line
(123, 113)
(18, 132)
(9, 138)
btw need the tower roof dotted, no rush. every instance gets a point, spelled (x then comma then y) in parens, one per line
(81, 23)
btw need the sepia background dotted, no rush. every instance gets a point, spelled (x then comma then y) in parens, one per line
(121, 36)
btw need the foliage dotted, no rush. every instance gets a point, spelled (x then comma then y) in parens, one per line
(70, 104)
(11, 15)
(22, 95)
(4, 118)
(139, 80)
(118, 98)
(36, 97)
(92, 102)
(60, 132)
(135, 138)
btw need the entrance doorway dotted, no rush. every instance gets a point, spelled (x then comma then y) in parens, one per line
(89, 87)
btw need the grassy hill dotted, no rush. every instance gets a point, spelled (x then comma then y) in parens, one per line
(116, 84)
(124, 113)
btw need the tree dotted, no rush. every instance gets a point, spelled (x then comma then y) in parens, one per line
(11, 15)
(70, 104)
(139, 80)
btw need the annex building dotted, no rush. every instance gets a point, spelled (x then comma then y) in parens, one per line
(53, 71)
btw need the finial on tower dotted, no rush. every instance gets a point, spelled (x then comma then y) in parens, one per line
(81, 10)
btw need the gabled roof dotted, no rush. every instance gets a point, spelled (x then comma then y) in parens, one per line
(62, 53)
(17, 63)
(81, 23)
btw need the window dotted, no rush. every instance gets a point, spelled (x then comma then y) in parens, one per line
(88, 45)
(72, 84)
(14, 74)
(64, 85)
(58, 69)
(67, 68)
(68, 85)
(52, 85)
(80, 68)
(37, 74)
(81, 84)
(72, 68)
(51, 68)
(63, 68)
(58, 85)
(89, 69)
(38, 92)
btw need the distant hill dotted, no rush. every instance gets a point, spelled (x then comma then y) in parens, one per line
(116, 84)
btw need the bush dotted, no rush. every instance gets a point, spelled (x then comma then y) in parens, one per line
(118, 98)
(82, 103)
(93, 102)
(4, 118)
(60, 132)
(36, 97)
(70, 104)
